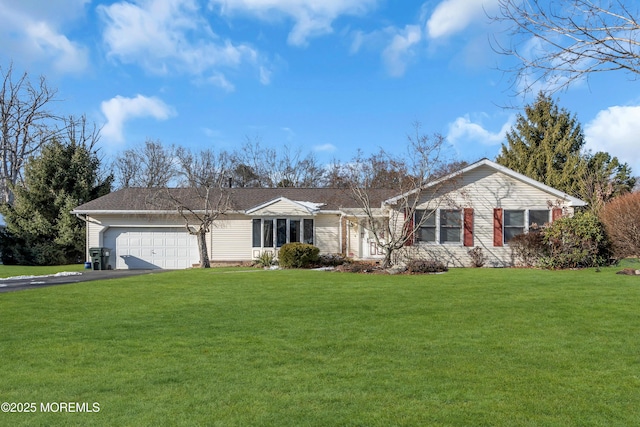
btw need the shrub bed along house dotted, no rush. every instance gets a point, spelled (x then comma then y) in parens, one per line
(298, 255)
(579, 241)
(421, 266)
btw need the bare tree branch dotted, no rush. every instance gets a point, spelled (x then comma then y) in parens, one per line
(205, 175)
(25, 124)
(258, 166)
(559, 43)
(411, 176)
(152, 165)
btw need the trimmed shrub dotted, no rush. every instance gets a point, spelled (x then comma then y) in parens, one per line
(478, 258)
(332, 260)
(298, 255)
(576, 242)
(358, 267)
(421, 266)
(528, 248)
(621, 218)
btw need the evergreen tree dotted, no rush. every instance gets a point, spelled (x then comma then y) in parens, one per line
(40, 229)
(547, 143)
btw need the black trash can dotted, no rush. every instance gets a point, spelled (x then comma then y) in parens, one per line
(99, 258)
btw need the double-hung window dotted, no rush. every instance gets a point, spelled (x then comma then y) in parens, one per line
(520, 220)
(425, 221)
(513, 224)
(450, 225)
(443, 226)
(538, 218)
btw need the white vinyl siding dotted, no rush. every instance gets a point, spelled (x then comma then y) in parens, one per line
(230, 239)
(482, 189)
(327, 233)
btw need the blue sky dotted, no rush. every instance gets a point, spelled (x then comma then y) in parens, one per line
(325, 76)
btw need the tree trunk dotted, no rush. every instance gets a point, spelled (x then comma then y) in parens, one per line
(202, 248)
(386, 263)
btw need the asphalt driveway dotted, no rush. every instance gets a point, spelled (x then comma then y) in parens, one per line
(22, 283)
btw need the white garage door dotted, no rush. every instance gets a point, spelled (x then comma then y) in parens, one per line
(150, 248)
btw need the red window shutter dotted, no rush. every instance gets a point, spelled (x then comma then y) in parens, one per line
(497, 227)
(468, 227)
(556, 213)
(409, 226)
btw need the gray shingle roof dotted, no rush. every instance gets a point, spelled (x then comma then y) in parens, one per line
(242, 199)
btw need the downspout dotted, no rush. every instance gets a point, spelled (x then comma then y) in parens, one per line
(340, 233)
(86, 219)
(86, 235)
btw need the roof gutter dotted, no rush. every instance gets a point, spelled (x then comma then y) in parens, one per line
(84, 218)
(134, 212)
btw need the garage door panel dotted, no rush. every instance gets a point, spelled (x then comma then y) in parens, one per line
(150, 248)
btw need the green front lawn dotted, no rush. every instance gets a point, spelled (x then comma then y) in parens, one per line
(472, 347)
(21, 270)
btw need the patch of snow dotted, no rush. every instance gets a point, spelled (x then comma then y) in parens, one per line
(61, 274)
(67, 273)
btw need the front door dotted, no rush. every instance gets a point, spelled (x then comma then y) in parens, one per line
(370, 248)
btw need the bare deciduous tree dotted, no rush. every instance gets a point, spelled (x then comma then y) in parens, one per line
(79, 131)
(255, 165)
(557, 43)
(297, 171)
(204, 175)
(258, 166)
(621, 217)
(151, 165)
(409, 176)
(25, 124)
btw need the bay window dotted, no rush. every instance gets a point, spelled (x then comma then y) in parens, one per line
(269, 233)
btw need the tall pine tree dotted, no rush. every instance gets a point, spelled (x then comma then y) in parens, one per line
(547, 144)
(40, 229)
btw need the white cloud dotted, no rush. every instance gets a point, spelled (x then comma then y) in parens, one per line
(30, 32)
(616, 130)
(265, 75)
(325, 148)
(398, 46)
(67, 56)
(118, 110)
(311, 18)
(290, 134)
(464, 131)
(173, 35)
(453, 16)
(401, 49)
(218, 79)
